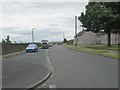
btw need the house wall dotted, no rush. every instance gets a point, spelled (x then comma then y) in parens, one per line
(93, 38)
(87, 38)
(114, 39)
(103, 39)
(119, 39)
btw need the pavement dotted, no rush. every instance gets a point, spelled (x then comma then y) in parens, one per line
(25, 70)
(12, 54)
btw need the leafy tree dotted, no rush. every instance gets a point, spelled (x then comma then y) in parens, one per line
(8, 39)
(65, 40)
(3, 41)
(115, 7)
(101, 16)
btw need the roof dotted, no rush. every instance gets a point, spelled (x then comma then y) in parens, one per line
(80, 33)
(44, 41)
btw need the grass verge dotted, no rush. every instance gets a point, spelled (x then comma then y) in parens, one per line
(102, 50)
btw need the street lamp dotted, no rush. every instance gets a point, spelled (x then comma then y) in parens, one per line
(82, 27)
(76, 31)
(33, 35)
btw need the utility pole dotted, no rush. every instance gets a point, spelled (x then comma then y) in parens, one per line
(76, 31)
(82, 28)
(33, 35)
(63, 36)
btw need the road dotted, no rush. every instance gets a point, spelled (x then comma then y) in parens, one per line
(24, 70)
(71, 69)
(81, 70)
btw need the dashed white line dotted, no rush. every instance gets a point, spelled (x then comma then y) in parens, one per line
(48, 81)
(49, 63)
(52, 86)
(44, 85)
(51, 76)
(51, 68)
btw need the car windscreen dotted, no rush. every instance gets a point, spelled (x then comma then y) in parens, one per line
(44, 43)
(31, 45)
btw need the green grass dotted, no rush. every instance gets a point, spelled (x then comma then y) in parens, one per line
(103, 50)
(104, 47)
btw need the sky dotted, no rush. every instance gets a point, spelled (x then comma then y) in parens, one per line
(51, 20)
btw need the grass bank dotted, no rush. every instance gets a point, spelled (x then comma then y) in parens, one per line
(102, 50)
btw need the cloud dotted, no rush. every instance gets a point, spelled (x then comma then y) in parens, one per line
(50, 19)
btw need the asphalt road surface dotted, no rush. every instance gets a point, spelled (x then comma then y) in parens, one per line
(70, 69)
(24, 70)
(81, 70)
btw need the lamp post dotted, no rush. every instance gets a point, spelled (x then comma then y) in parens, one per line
(81, 27)
(76, 31)
(33, 35)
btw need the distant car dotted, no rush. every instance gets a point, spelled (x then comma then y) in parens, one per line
(50, 44)
(44, 46)
(32, 48)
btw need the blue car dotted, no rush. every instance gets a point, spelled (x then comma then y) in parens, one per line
(32, 48)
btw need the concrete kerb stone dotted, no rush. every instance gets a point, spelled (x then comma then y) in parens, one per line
(51, 71)
(40, 82)
(12, 54)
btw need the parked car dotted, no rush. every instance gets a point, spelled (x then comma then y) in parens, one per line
(32, 48)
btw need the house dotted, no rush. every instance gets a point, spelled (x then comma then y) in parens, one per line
(89, 37)
(85, 37)
(114, 38)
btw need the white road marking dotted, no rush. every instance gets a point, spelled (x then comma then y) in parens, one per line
(48, 81)
(38, 87)
(51, 68)
(52, 86)
(44, 85)
(49, 63)
(51, 76)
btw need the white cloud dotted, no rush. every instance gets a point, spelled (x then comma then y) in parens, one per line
(49, 18)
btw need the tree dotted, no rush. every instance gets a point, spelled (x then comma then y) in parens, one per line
(3, 41)
(101, 16)
(115, 7)
(65, 40)
(8, 39)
